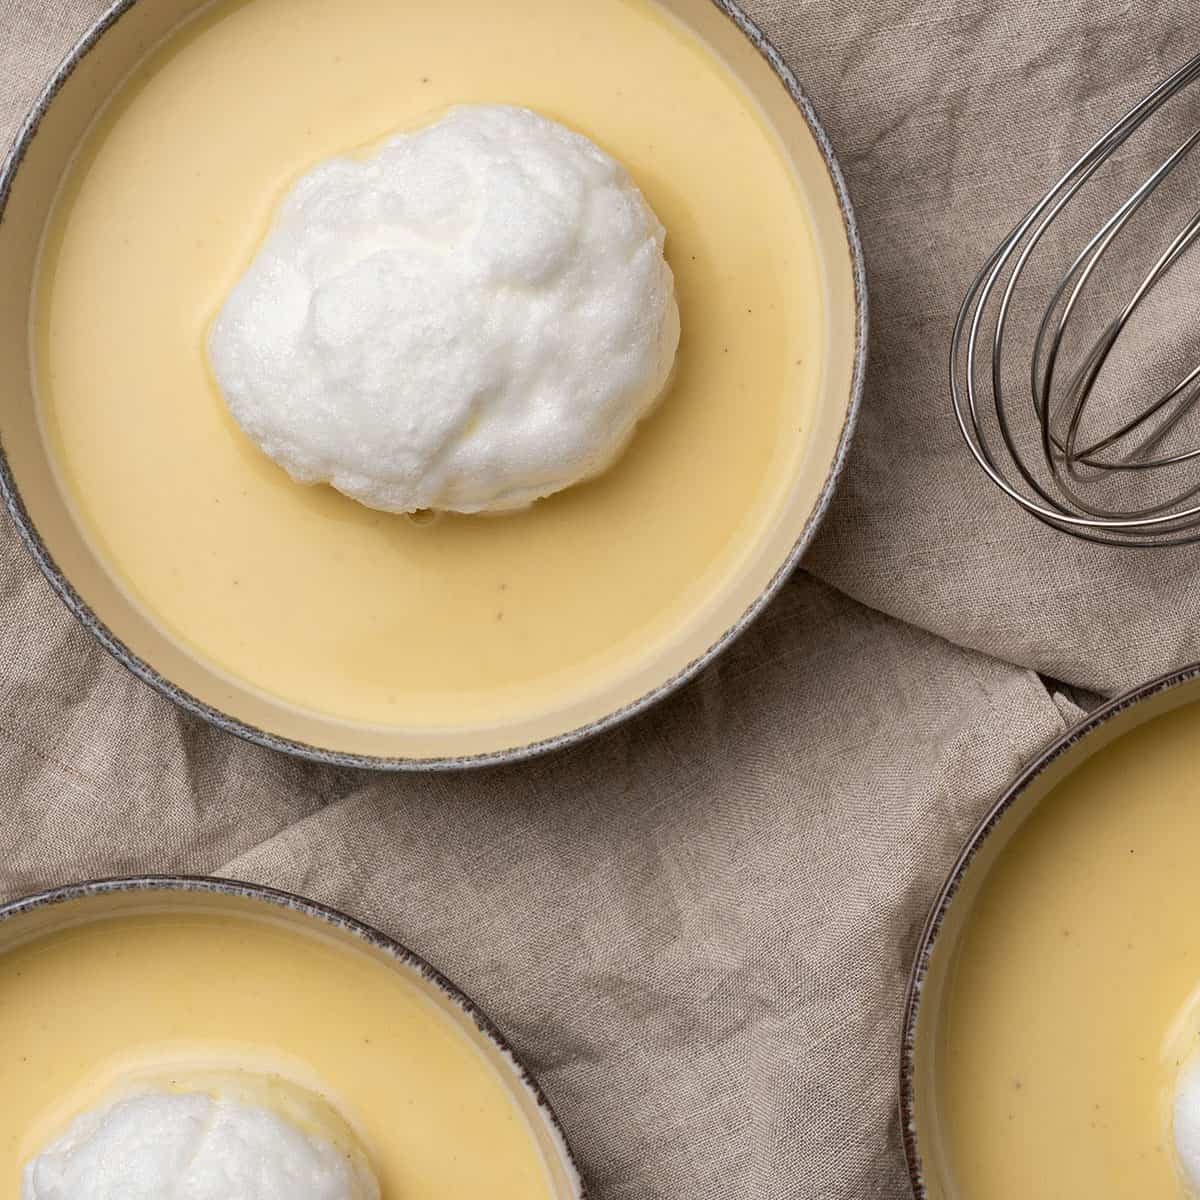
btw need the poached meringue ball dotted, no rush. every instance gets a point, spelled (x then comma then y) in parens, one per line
(1185, 1123)
(473, 316)
(267, 1142)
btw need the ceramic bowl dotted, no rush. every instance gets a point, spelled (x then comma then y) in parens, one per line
(49, 912)
(36, 500)
(952, 908)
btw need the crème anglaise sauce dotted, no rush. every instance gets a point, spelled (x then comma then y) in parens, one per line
(306, 595)
(1073, 1002)
(87, 1010)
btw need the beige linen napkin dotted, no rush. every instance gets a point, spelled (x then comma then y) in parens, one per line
(697, 929)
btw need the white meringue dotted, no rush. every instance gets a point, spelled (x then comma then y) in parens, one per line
(1186, 1123)
(474, 316)
(156, 1145)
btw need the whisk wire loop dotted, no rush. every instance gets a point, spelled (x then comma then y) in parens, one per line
(1053, 485)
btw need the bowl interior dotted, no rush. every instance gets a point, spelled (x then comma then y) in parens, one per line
(76, 570)
(44, 915)
(937, 955)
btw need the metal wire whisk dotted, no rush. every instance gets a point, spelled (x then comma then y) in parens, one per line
(1058, 468)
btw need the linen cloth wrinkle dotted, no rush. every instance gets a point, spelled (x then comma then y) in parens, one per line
(697, 928)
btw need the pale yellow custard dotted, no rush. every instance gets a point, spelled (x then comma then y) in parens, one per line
(1073, 999)
(85, 1011)
(307, 596)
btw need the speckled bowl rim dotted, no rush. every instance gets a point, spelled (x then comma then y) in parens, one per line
(58, 581)
(401, 954)
(937, 914)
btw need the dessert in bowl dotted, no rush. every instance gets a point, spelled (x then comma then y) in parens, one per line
(215, 1038)
(622, 467)
(1052, 1035)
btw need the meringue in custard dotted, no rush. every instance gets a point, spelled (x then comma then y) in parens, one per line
(1185, 1123)
(160, 1052)
(256, 1140)
(471, 318)
(1065, 1061)
(464, 622)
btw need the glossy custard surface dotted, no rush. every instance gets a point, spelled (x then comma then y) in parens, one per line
(128, 997)
(1075, 994)
(308, 596)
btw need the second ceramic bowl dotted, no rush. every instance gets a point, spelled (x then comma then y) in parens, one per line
(107, 982)
(1062, 890)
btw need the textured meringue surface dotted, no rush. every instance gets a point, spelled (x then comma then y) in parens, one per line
(474, 316)
(160, 1144)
